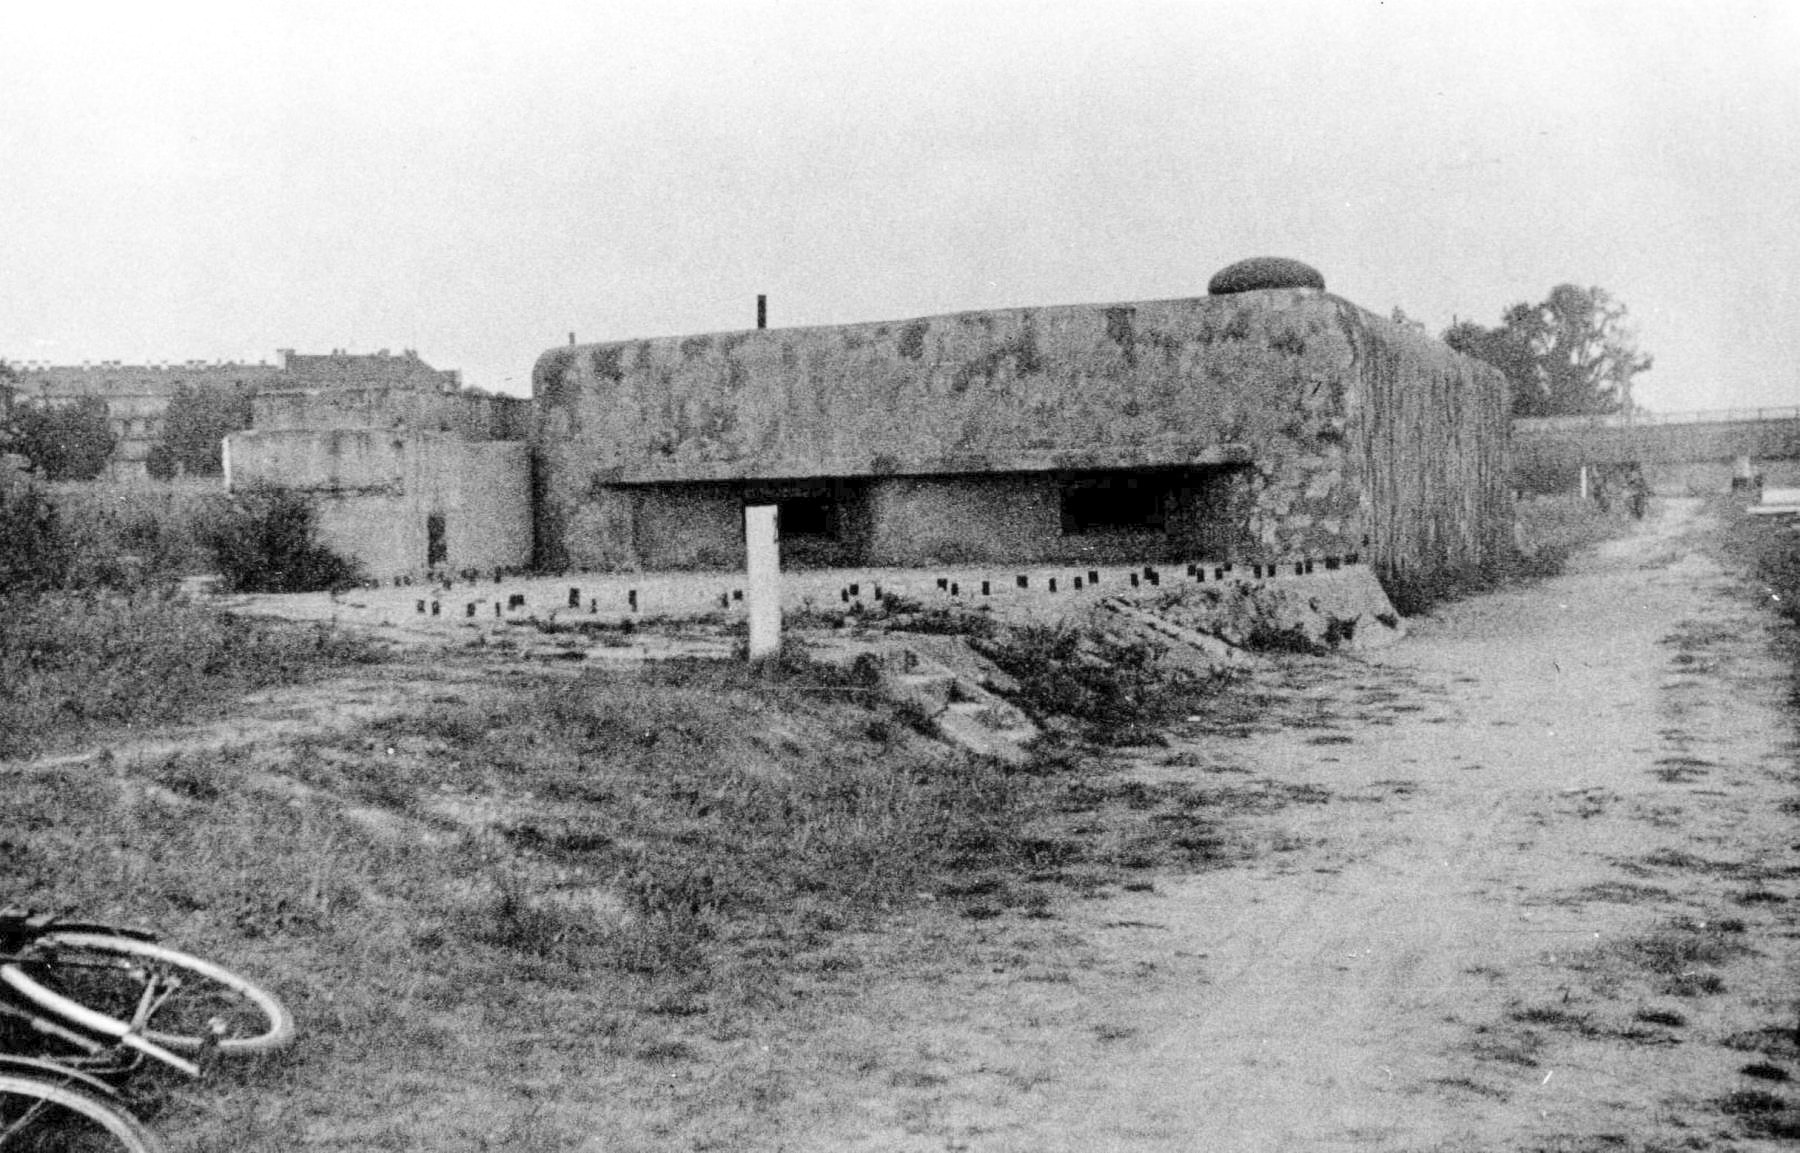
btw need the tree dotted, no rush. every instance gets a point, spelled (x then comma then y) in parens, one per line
(64, 440)
(1570, 355)
(194, 429)
(1399, 317)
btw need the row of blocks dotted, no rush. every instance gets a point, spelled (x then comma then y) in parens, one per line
(467, 576)
(1149, 575)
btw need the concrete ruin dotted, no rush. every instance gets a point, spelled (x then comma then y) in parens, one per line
(1264, 427)
(405, 479)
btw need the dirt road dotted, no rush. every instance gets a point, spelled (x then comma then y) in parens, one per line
(1532, 886)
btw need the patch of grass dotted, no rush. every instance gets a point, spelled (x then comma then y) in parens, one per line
(1466, 1085)
(1116, 691)
(1680, 947)
(1763, 1114)
(1518, 1047)
(1550, 531)
(1553, 1017)
(1552, 528)
(1770, 554)
(1694, 984)
(1771, 1041)
(1620, 892)
(74, 662)
(710, 798)
(582, 881)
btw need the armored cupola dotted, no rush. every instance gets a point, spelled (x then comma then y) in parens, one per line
(1261, 272)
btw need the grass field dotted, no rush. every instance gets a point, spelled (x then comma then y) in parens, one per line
(623, 875)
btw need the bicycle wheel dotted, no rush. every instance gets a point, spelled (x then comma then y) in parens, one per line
(44, 1117)
(117, 986)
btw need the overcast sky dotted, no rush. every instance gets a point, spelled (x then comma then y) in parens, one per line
(476, 181)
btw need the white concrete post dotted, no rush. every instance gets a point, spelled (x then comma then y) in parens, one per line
(1584, 482)
(763, 575)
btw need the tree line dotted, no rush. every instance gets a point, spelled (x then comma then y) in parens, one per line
(1571, 354)
(74, 439)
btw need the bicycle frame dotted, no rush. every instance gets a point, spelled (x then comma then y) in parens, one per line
(80, 1026)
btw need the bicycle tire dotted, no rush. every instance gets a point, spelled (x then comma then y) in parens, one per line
(44, 1117)
(97, 982)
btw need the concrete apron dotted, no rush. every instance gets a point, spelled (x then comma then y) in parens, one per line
(1037, 594)
(957, 690)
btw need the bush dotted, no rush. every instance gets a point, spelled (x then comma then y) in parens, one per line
(267, 542)
(35, 552)
(70, 441)
(139, 535)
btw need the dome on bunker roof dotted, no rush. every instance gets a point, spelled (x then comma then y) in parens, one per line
(1260, 272)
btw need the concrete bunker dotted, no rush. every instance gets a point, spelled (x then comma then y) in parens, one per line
(1265, 425)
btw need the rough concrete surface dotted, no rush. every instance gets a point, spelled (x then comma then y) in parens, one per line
(1357, 432)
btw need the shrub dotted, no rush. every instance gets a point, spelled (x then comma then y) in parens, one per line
(70, 441)
(130, 535)
(35, 552)
(267, 541)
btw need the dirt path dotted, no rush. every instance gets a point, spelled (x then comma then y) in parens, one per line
(1541, 896)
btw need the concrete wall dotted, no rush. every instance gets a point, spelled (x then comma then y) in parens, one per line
(487, 502)
(472, 416)
(1432, 437)
(1300, 386)
(375, 491)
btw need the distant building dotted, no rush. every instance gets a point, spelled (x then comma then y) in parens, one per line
(137, 396)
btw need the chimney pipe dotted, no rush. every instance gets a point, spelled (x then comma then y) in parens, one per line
(762, 311)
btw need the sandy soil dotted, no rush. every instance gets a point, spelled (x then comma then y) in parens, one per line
(1534, 888)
